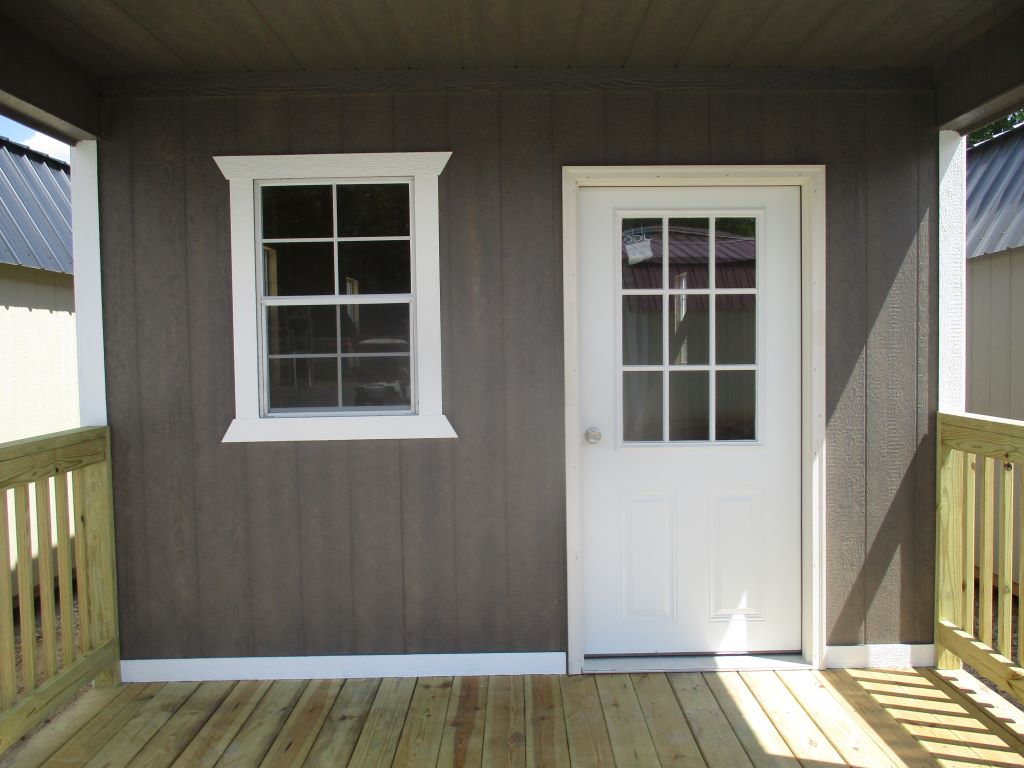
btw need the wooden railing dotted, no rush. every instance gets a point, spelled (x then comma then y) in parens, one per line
(57, 549)
(979, 541)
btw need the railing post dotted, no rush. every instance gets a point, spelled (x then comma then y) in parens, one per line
(949, 585)
(97, 518)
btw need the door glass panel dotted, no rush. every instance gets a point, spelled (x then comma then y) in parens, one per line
(641, 330)
(688, 243)
(688, 405)
(735, 329)
(669, 325)
(735, 401)
(641, 253)
(641, 406)
(735, 253)
(688, 329)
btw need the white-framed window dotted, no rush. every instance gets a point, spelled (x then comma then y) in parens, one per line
(336, 296)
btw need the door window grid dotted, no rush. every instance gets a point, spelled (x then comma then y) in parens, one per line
(669, 294)
(347, 302)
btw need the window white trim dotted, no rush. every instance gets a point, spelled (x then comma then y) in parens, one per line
(423, 169)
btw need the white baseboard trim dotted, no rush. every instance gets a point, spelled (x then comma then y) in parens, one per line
(332, 667)
(880, 656)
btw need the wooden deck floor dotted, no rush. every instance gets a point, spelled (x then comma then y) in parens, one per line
(858, 718)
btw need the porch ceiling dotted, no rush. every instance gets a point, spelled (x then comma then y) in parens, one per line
(125, 37)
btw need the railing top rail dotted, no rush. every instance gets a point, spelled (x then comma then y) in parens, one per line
(985, 435)
(24, 461)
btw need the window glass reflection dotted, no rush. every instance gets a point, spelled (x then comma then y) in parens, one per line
(297, 211)
(735, 398)
(688, 329)
(373, 210)
(641, 406)
(641, 253)
(735, 253)
(641, 330)
(688, 250)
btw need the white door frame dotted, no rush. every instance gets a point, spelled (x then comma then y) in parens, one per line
(811, 180)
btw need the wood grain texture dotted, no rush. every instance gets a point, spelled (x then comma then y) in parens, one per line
(167, 473)
(431, 546)
(427, 466)
(477, 410)
(274, 534)
(838, 136)
(424, 726)
(872, 718)
(534, 446)
(120, 341)
(374, 470)
(462, 741)
(343, 724)
(315, 125)
(220, 469)
(546, 742)
(918, 625)
(891, 185)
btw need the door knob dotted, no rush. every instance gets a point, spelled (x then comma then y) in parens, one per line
(592, 435)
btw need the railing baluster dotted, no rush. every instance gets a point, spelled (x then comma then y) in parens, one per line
(64, 576)
(81, 559)
(85, 563)
(970, 503)
(988, 494)
(1005, 612)
(1020, 559)
(47, 609)
(8, 677)
(993, 449)
(26, 588)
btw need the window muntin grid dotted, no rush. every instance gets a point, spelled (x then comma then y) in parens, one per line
(369, 373)
(699, 386)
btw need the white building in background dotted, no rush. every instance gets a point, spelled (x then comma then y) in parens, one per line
(38, 366)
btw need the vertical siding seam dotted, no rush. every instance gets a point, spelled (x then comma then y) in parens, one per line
(138, 392)
(188, 345)
(867, 330)
(504, 370)
(451, 352)
(244, 498)
(247, 454)
(401, 489)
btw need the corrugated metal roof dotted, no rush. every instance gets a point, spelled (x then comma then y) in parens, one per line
(35, 209)
(995, 194)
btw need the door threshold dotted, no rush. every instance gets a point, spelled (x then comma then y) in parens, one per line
(730, 663)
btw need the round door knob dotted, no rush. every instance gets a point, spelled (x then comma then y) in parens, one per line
(592, 435)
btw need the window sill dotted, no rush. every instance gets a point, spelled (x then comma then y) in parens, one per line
(281, 429)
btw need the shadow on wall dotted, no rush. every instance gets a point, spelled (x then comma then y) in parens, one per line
(881, 399)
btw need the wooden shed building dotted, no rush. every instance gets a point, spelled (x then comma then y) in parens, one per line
(517, 337)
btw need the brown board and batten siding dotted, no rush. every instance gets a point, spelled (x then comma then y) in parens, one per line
(459, 546)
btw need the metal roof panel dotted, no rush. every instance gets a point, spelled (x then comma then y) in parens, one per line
(35, 209)
(995, 194)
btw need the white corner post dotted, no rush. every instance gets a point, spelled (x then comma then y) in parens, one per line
(952, 272)
(85, 243)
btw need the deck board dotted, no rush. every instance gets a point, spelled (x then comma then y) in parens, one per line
(861, 718)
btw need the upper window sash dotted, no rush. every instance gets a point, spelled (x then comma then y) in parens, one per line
(421, 171)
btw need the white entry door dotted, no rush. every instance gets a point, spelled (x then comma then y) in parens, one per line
(690, 401)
